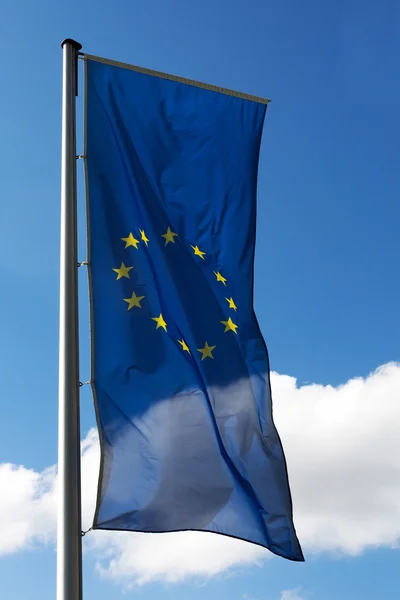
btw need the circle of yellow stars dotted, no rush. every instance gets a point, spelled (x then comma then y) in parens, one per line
(135, 301)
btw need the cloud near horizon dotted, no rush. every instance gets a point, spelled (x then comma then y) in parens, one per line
(291, 595)
(342, 446)
(285, 595)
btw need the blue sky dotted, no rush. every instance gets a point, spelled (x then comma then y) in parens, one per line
(327, 286)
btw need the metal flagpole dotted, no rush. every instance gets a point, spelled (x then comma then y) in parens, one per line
(69, 545)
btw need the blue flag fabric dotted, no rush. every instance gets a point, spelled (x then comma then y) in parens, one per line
(181, 373)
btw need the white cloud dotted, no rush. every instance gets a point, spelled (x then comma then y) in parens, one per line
(27, 507)
(342, 445)
(291, 595)
(141, 558)
(247, 596)
(285, 595)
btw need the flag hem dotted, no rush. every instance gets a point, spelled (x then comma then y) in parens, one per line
(91, 326)
(228, 535)
(302, 559)
(205, 86)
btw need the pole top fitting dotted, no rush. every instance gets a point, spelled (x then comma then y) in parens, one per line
(75, 44)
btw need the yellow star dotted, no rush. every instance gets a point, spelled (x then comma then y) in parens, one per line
(130, 241)
(160, 322)
(206, 351)
(169, 236)
(231, 303)
(123, 271)
(198, 252)
(185, 348)
(229, 325)
(144, 238)
(134, 301)
(220, 278)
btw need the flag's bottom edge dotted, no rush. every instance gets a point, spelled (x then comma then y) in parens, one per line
(296, 558)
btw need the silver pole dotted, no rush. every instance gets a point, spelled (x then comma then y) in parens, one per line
(69, 545)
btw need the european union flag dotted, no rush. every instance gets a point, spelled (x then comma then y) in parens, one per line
(180, 369)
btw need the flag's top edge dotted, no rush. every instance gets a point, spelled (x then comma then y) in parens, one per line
(198, 84)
